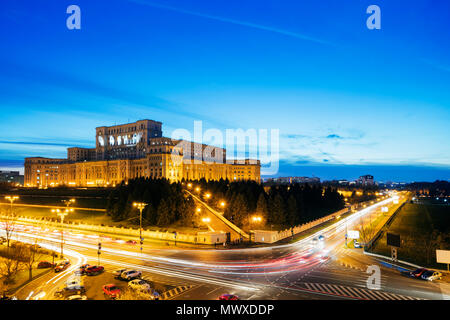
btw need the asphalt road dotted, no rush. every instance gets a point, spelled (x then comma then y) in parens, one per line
(301, 270)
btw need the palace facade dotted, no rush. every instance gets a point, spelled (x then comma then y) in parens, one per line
(135, 150)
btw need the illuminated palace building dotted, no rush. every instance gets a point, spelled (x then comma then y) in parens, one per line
(135, 150)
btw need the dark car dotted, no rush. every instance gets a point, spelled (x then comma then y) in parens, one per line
(111, 291)
(45, 264)
(62, 266)
(82, 269)
(414, 274)
(94, 270)
(70, 290)
(131, 242)
(228, 297)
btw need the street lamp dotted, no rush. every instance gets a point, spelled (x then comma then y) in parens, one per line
(11, 199)
(140, 206)
(62, 214)
(206, 220)
(222, 204)
(208, 195)
(198, 210)
(197, 189)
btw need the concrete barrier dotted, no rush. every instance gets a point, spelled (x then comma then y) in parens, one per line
(210, 238)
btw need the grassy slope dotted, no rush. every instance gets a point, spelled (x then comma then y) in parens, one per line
(416, 219)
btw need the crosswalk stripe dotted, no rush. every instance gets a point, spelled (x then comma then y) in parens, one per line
(347, 292)
(331, 288)
(373, 295)
(355, 292)
(393, 296)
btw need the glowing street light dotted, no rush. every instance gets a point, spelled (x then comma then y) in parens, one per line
(62, 214)
(12, 199)
(189, 185)
(140, 206)
(197, 189)
(222, 204)
(206, 220)
(256, 219)
(199, 209)
(208, 195)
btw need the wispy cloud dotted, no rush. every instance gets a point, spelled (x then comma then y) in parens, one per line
(233, 21)
(437, 65)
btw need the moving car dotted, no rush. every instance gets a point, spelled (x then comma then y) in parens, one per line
(431, 275)
(321, 238)
(414, 274)
(94, 270)
(228, 297)
(130, 275)
(138, 284)
(44, 264)
(131, 242)
(62, 266)
(111, 291)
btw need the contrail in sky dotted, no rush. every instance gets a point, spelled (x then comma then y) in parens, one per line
(237, 22)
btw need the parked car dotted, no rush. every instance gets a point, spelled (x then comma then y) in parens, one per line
(45, 264)
(111, 291)
(73, 282)
(70, 291)
(131, 242)
(228, 297)
(138, 284)
(321, 238)
(62, 266)
(117, 273)
(82, 269)
(77, 297)
(94, 270)
(414, 274)
(130, 275)
(431, 275)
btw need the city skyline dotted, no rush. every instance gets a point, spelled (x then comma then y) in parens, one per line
(348, 101)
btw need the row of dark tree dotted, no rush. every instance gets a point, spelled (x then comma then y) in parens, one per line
(278, 206)
(167, 203)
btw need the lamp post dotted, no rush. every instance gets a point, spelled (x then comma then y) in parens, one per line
(62, 214)
(11, 199)
(140, 206)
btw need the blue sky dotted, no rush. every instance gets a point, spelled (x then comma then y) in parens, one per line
(347, 100)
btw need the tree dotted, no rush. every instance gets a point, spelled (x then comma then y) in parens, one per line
(277, 212)
(292, 210)
(261, 207)
(8, 223)
(163, 214)
(11, 263)
(31, 254)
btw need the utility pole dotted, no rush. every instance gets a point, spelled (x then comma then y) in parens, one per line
(140, 206)
(99, 251)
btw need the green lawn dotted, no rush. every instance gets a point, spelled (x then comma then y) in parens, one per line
(415, 223)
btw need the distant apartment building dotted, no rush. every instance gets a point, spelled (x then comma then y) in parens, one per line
(366, 180)
(290, 180)
(13, 177)
(133, 150)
